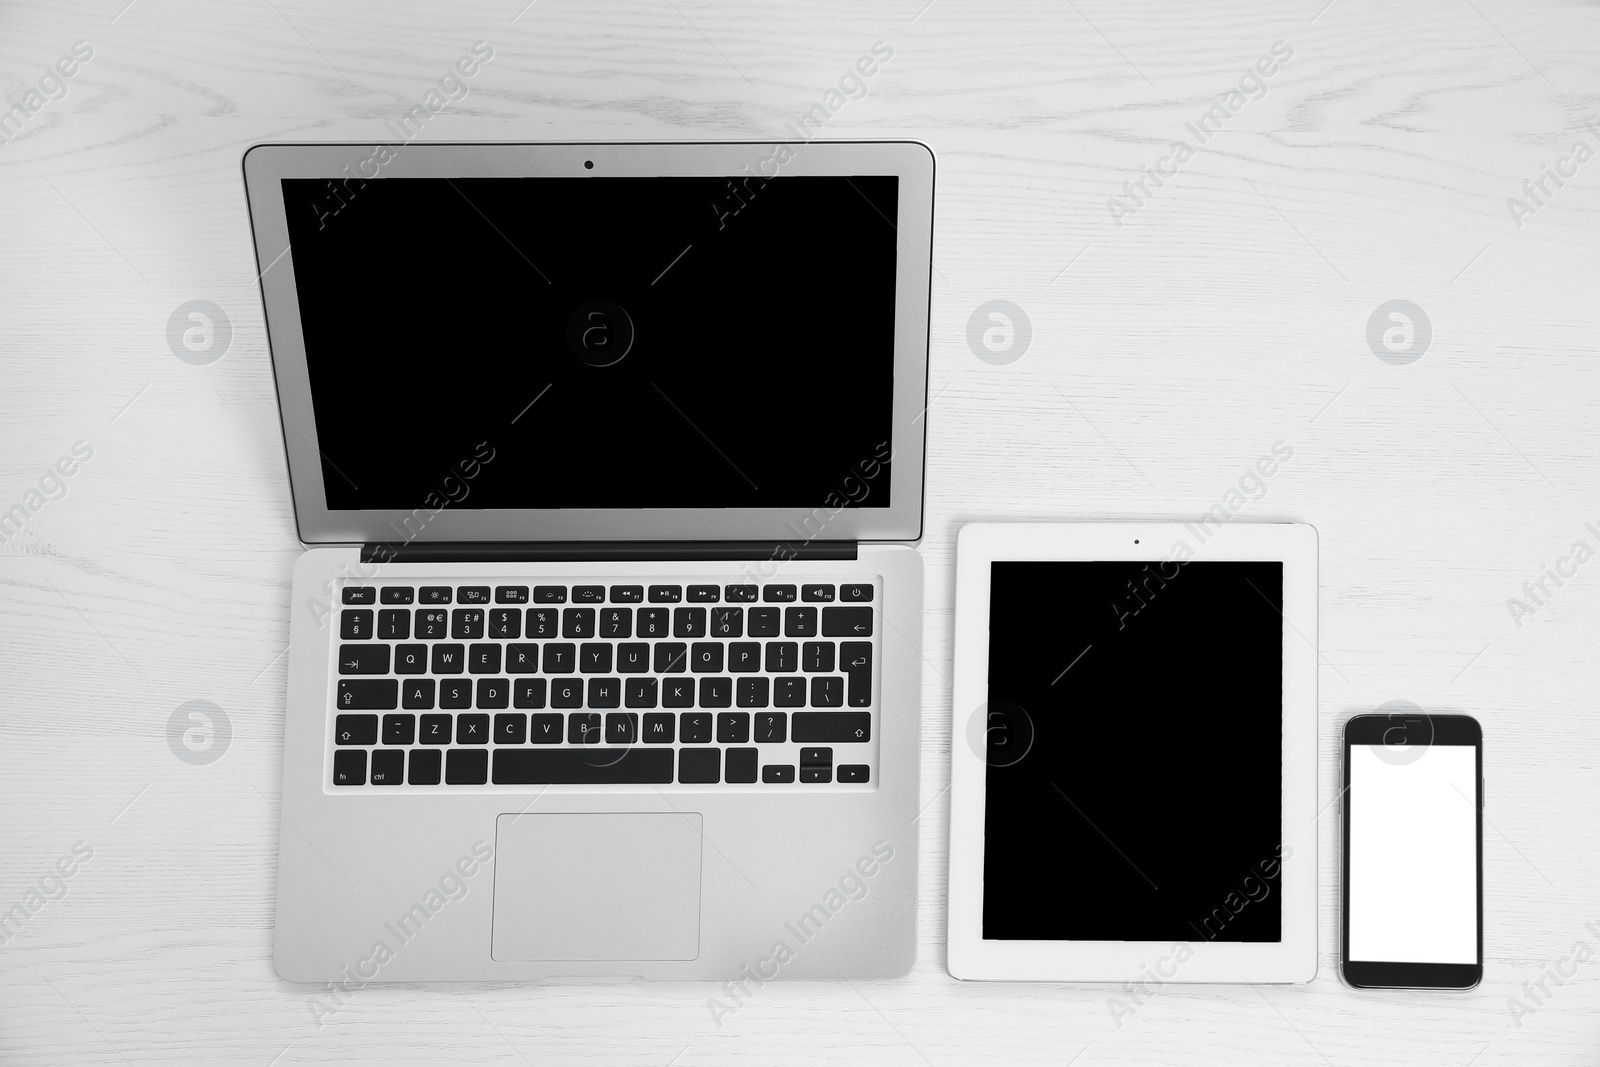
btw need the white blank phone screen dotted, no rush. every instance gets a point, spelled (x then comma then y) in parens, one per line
(1413, 854)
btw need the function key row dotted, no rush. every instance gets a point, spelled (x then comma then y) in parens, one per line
(472, 624)
(597, 594)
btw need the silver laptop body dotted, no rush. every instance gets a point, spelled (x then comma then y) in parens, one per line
(605, 651)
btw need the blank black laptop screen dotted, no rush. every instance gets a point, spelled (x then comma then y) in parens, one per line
(1134, 742)
(618, 342)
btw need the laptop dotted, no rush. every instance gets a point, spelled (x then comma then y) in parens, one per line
(605, 648)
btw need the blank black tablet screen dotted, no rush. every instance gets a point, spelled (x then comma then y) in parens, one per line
(616, 342)
(1134, 745)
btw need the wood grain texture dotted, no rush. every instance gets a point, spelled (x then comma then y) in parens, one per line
(1168, 352)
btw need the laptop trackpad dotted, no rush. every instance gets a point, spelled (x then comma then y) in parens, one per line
(603, 886)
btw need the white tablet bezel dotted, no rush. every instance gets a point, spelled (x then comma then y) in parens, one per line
(1294, 959)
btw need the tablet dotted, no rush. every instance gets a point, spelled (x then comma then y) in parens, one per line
(1134, 753)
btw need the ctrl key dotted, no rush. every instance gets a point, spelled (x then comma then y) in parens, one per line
(350, 767)
(388, 766)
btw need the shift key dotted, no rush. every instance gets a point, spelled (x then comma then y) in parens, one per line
(830, 727)
(367, 694)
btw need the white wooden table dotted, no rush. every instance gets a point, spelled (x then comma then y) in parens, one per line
(1222, 311)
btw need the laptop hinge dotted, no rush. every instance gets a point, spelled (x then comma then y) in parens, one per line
(603, 551)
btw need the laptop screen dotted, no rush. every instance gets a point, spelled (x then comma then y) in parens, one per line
(664, 342)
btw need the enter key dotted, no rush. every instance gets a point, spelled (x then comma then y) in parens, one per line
(855, 659)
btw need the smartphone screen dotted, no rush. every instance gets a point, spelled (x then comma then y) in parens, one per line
(1412, 851)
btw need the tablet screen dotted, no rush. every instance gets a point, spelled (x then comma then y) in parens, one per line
(1134, 747)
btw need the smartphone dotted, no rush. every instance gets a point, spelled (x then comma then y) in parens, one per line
(1413, 851)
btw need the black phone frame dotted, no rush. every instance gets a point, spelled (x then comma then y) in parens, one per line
(1410, 728)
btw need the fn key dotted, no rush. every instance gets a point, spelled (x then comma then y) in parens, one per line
(350, 767)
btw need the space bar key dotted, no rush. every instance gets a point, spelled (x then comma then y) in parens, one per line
(583, 766)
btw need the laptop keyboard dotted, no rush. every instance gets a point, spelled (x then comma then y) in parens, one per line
(691, 684)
